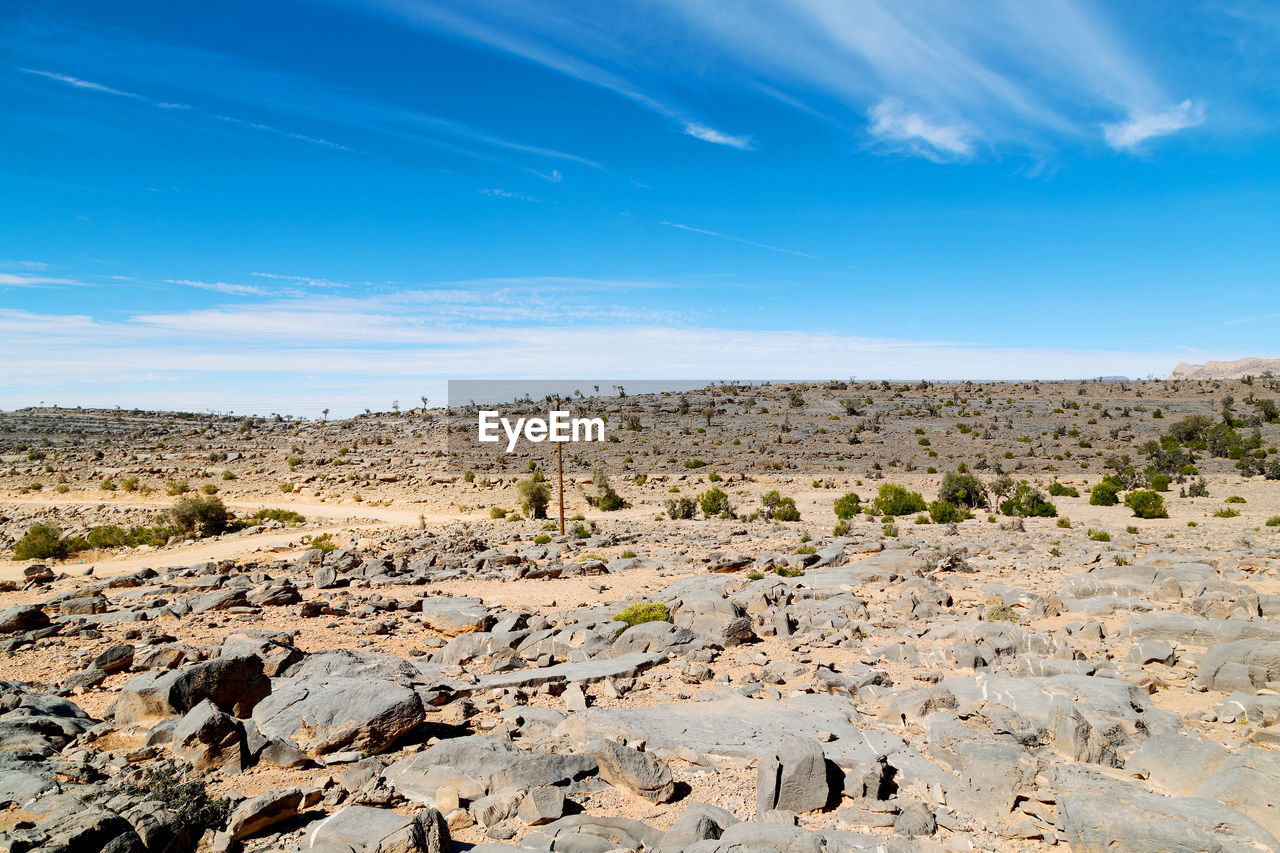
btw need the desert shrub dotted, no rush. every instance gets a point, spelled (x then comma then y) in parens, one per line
(890, 530)
(324, 542)
(108, 485)
(680, 508)
(841, 529)
(206, 516)
(1059, 490)
(581, 531)
(1273, 521)
(1227, 512)
(782, 570)
(108, 536)
(895, 500)
(1027, 502)
(497, 512)
(208, 489)
(847, 506)
(1132, 530)
(1160, 482)
(1106, 493)
(468, 476)
(962, 490)
(287, 516)
(189, 802)
(755, 575)
(1198, 489)
(611, 501)
(779, 508)
(173, 488)
(1146, 503)
(1234, 499)
(694, 463)
(1001, 613)
(534, 494)
(1099, 535)
(714, 502)
(945, 512)
(1064, 522)
(228, 475)
(42, 542)
(641, 612)
(129, 484)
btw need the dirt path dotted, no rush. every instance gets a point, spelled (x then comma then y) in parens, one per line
(233, 545)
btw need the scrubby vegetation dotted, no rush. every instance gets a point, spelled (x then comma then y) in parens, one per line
(1146, 504)
(641, 612)
(895, 500)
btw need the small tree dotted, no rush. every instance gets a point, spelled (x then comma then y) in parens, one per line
(207, 516)
(1146, 503)
(847, 506)
(962, 490)
(534, 495)
(1106, 493)
(707, 414)
(714, 502)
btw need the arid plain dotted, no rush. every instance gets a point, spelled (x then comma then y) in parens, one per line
(849, 615)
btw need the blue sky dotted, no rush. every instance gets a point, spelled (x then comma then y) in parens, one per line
(291, 206)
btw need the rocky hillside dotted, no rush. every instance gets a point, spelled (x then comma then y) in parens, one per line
(1237, 369)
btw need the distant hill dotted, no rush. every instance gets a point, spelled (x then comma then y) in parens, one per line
(1227, 369)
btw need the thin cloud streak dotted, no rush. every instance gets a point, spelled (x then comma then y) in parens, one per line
(737, 240)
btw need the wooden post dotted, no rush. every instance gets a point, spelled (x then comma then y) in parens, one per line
(560, 471)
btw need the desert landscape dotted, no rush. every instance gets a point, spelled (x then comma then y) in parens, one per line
(835, 616)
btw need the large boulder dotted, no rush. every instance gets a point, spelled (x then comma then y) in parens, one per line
(323, 714)
(22, 617)
(235, 684)
(634, 771)
(793, 777)
(369, 830)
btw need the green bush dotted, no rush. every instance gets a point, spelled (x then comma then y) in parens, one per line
(1227, 512)
(782, 570)
(1146, 504)
(535, 495)
(206, 516)
(497, 512)
(641, 612)
(1099, 535)
(1273, 521)
(42, 542)
(108, 536)
(287, 516)
(1106, 493)
(694, 463)
(962, 490)
(1160, 482)
(324, 542)
(779, 508)
(680, 508)
(1234, 499)
(177, 487)
(895, 500)
(108, 485)
(611, 501)
(541, 539)
(714, 502)
(945, 512)
(847, 506)
(1027, 502)
(1059, 490)
(129, 484)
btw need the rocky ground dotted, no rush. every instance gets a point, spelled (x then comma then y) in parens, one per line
(439, 678)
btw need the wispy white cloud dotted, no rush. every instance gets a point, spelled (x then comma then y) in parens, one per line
(698, 130)
(737, 239)
(1129, 135)
(497, 193)
(568, 41)
(343, 354)
(223, 287)
(895, 125)
(14, 280)
(83, 84)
